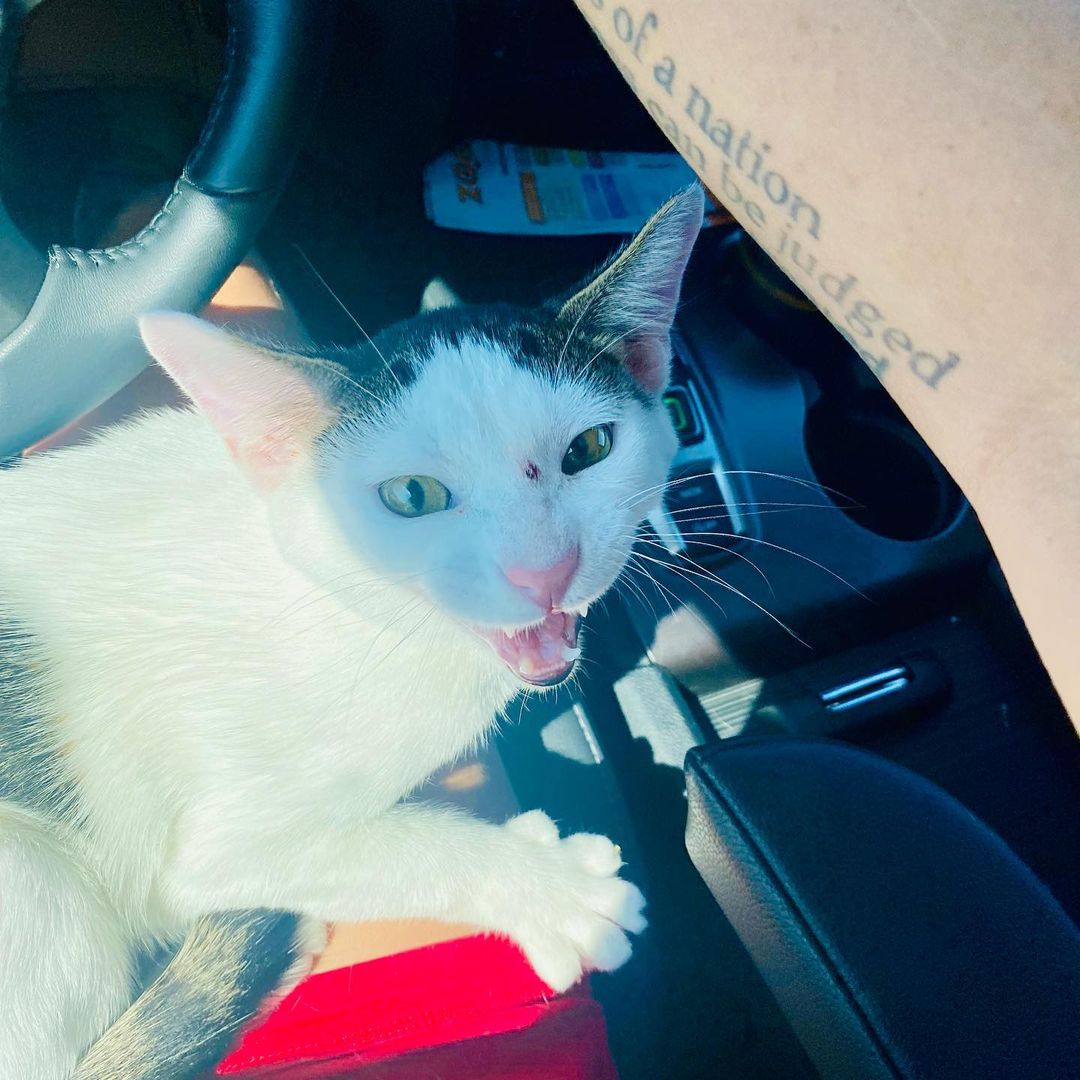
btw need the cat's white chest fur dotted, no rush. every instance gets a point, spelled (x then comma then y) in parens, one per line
(198, 680)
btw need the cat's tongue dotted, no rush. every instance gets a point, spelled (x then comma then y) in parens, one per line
(543, 654)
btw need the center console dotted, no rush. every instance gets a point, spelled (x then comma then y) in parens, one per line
(814, 571)
(804, 513)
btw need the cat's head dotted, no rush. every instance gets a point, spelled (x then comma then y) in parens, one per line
(496, 461)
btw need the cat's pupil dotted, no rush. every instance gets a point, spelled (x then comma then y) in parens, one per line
(415, 496)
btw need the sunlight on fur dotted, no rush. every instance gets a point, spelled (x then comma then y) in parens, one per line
(228, 659)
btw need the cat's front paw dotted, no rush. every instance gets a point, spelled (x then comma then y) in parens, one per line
(574, 910)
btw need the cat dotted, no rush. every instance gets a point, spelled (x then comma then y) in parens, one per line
(237, 636)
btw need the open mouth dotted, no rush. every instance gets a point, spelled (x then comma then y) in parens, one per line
(541, 655)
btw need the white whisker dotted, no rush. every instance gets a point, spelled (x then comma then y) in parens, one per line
(719, 547)
(356, 322)
(738, 592)
(787, 551)
(573, 331)
(611, 344)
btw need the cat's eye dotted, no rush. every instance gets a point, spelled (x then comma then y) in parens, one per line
(414, 496)
(587, 449)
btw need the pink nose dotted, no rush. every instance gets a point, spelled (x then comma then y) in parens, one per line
(545, 588)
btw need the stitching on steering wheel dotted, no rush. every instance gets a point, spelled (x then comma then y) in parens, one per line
(77, 256)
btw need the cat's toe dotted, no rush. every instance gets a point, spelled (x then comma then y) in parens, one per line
(624, 905)
(535, 825)
(595, 854)
(587, 943)
(554, 958)
(606, 948)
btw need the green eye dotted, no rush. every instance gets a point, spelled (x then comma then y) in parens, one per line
(587, 449)
(414, 496)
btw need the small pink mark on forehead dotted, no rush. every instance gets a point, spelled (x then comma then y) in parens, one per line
(532, 470)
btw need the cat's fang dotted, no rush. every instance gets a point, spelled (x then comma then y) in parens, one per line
(543, 654)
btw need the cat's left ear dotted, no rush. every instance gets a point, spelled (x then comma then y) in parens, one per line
(633, 299)
(267, 412)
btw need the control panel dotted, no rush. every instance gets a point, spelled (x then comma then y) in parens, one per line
(700, 502)
(798, 490)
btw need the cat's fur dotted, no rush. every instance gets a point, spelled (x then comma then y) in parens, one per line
(227, 664)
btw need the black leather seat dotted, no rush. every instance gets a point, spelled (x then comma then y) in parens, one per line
(901, 937)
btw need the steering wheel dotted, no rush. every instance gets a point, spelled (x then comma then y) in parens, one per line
(68, 315)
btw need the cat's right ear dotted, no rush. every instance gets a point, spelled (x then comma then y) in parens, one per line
(267, 412)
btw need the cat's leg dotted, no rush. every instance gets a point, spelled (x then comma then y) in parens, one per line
(65, 961)
(560, 899)
(185, 1020)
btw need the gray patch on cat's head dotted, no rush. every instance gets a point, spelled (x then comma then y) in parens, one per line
(535, 338)
(604, 334)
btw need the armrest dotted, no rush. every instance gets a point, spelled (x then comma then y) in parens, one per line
(900, 936)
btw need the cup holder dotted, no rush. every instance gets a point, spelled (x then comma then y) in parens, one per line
(882, 475)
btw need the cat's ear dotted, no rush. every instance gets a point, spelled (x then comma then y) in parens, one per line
(632, 300)
(267, 412)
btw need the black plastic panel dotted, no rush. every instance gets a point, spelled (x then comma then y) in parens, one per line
(826, 518)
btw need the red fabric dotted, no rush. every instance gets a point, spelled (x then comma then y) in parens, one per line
(471, 1009)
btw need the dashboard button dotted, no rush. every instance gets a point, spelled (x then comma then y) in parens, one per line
(684, 417)
(696, 506)
(702, 525)
(697, 487)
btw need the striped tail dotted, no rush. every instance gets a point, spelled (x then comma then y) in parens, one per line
(185, 1021)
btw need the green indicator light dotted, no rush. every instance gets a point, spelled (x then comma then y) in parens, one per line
(680, 421)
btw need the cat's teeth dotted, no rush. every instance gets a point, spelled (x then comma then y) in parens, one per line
(527, 666)
(570, 654)
(583, 610)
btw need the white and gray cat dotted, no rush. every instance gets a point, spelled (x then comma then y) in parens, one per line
(237, 637)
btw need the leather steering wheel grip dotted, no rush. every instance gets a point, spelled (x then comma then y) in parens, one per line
(78, 343)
